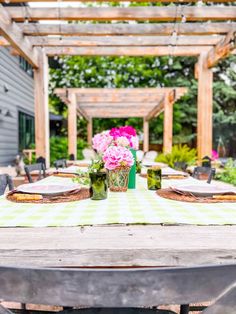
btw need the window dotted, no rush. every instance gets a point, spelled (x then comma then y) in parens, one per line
(26, 131)
(26, 66)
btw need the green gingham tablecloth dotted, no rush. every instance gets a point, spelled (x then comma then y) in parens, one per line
(138, 206)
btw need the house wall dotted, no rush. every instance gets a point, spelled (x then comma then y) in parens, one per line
(19, 98)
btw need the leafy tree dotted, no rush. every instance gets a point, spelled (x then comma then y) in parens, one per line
(119, 72)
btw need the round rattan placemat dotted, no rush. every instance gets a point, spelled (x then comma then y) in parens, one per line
(144, 175)
(84, 193)
(171, 195)
(64, 175)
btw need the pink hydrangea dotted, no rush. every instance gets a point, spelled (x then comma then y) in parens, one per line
(117, 156)
(102, 141)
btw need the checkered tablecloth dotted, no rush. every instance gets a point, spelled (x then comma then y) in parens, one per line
(138, 206)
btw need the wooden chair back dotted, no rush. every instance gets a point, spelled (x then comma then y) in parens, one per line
(60, 163)
(122, 288)
(39, 167)
(5, 181)
(204, 173)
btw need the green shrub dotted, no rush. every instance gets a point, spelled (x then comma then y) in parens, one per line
(179, 153)
(59, 148)
(229, 173)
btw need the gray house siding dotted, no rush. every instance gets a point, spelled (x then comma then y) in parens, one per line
(18, 98)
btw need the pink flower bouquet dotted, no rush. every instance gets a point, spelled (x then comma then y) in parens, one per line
(125, 136)
(117, 157)
(102, 141)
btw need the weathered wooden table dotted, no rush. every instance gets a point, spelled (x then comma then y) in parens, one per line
(111, 246)
(115, 245)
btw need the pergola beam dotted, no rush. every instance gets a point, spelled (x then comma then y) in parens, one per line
(127, 51)
(13, 34)
(162, 1)
(126, 29)
(221, 50)
(114, 41)
(169, 13)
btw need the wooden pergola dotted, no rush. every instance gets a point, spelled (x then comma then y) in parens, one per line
(145, 103)
(207, 32)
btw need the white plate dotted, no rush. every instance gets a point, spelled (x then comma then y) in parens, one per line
(172, 172)
(203, 190)
(47, 189)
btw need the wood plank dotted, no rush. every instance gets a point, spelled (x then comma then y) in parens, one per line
(145, 135)
(115, 112)
(168, 123)
(222, 49)
(91, 92)
(114, 246)
(94, 1)
(114, 41)
(42, 109)
(205, 108)
(72, 125)
(13, 34)
(165, 13)
(127, 51)
(4, 42)
(114, 105)
(90, 131)
(126, 29)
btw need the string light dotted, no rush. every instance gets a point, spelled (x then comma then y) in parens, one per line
(199, 3)
(183, 18)
(7, 1)
(170, 61)
(26, 21)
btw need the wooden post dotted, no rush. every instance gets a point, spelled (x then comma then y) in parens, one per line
(72, 125)
(205, 107)
(90, 131)
(145, 135)
(168, 125)
(41, 109)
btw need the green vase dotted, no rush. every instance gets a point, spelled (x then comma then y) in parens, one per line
(132, 173)
(98, 185)
(154, 179)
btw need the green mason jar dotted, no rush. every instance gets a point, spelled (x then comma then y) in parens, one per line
(154, 178)
(98, 185)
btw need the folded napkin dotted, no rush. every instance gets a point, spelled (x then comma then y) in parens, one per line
(27, 197)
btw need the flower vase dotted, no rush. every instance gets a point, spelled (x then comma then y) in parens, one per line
(98, 185)
(132, 173)
(118, 179)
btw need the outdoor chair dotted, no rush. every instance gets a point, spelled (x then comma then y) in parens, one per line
(88, 153)
(150, 155)
(206, 161)
(39, 167)
(41, 160)
(139, 155)
(5, 181)
(181, 165)
(71, 157)
(202, 173)
(60, 163)
(122, 291)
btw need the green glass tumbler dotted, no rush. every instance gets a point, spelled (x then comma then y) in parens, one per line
(154, 178)
(99, 185)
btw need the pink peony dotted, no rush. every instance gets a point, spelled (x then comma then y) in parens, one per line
(102, 141)
(134, 142)
(122, 141)
(117, 156)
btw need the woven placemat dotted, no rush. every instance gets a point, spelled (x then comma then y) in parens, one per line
(64, 175)
(84, 193)
(144, 175)
(171, 195)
